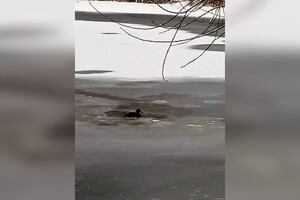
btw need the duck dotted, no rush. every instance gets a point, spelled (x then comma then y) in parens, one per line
(137, 114)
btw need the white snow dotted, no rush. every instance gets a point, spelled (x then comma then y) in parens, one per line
(133, 59)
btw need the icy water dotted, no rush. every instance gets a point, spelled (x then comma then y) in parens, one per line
(175, 151)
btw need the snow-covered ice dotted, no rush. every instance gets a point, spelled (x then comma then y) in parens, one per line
(130, 58)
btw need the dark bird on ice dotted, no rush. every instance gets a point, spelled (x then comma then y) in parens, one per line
(137, 113)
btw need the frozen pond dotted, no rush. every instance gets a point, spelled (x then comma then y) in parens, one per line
(174, 151)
